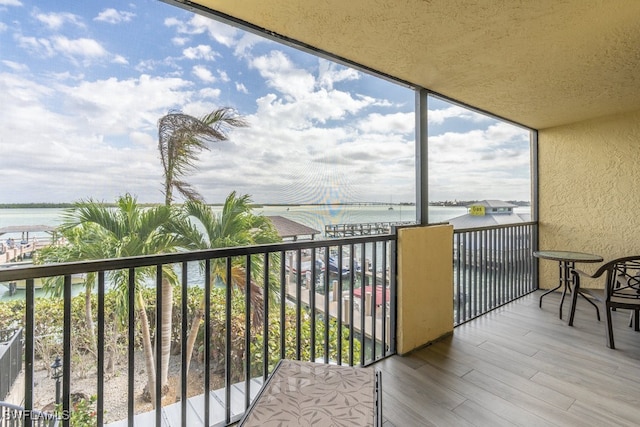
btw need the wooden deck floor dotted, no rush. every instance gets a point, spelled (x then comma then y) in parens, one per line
(519, 365)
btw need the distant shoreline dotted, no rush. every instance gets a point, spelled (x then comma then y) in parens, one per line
(460, 203)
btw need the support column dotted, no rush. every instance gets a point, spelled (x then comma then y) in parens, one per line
(425, 285)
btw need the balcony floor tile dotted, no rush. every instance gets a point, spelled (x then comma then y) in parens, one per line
(519, 365)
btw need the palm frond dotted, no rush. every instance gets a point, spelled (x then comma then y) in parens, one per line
(181, 139)
(87, 212)
(187, 191)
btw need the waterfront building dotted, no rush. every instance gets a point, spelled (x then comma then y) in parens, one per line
(486, 213)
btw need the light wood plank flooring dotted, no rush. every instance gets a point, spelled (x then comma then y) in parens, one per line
(519, 365)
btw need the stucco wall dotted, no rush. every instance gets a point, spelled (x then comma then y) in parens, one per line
(425, 285)
(589, 190)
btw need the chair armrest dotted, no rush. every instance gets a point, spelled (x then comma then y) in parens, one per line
(595, 275)
(599, 272)
(580, 272)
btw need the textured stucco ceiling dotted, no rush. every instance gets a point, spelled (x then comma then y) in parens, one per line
(541, 63)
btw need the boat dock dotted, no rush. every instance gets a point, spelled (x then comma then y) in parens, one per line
(381, 334)
(20, 251)
(361, 229)
(18, 248)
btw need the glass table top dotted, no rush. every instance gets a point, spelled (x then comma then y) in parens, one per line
(568, 256)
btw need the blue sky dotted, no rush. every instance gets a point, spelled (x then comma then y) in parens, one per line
(85, 83)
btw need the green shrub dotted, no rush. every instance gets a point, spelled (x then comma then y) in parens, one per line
(49, 317)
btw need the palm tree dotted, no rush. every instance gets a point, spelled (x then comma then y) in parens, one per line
(81, 246)
(182, 137)
(236, 225)
(127, 230)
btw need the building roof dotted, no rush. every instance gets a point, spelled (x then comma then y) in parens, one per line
(541, 63)
(493, 204)
(288, 229)
(26, 229)
(473, 221)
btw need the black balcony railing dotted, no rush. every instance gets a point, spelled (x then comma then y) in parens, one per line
(332, 301)
(492, 266)
(10, 358)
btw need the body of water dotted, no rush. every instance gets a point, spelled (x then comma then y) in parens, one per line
(312, 216)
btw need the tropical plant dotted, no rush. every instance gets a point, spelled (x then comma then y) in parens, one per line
(82, 244)
(83, 413)
(98, 232)
(236, 225)
(182, 137)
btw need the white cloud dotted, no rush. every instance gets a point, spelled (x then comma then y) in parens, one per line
(119, 59)
(179, 41)
(10, 3)
(454, 111)
(203, 74)
(125, 105)
(67, 76)
(480, 164)
(147, 66)
(83, 49)
(56, 142)
(240, 87)
(202, 51)
(55, 21)
(308, 111)
(198, 24)
(223, 76)
(143, 139)
(105, 129)
(78, 47)
(247, 41)
(281, 74)
(209, 93)
(37, 46)
(331, 164)
(14, 66)
(3, 27)
(223, 34)
(113, 16)
(388, 123)
(330, 72)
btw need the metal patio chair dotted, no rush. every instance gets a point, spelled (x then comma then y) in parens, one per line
(621, 288)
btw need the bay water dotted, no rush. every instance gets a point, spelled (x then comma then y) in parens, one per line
(314, 216)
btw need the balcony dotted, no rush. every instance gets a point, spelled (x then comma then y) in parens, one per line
(492, 267)
(519, 365)
(507, 362)
(538, 370)
(316, 301)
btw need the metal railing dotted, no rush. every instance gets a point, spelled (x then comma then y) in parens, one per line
(492, 266)
(10, 358)
(332, 301)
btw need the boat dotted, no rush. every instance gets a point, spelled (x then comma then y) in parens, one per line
(38, 283)
(320, 265)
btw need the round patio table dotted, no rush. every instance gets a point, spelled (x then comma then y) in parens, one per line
(566, 262)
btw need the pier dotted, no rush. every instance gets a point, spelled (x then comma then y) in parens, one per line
(18, 248)
(302, 291)
(21, 251)
(361, 229)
